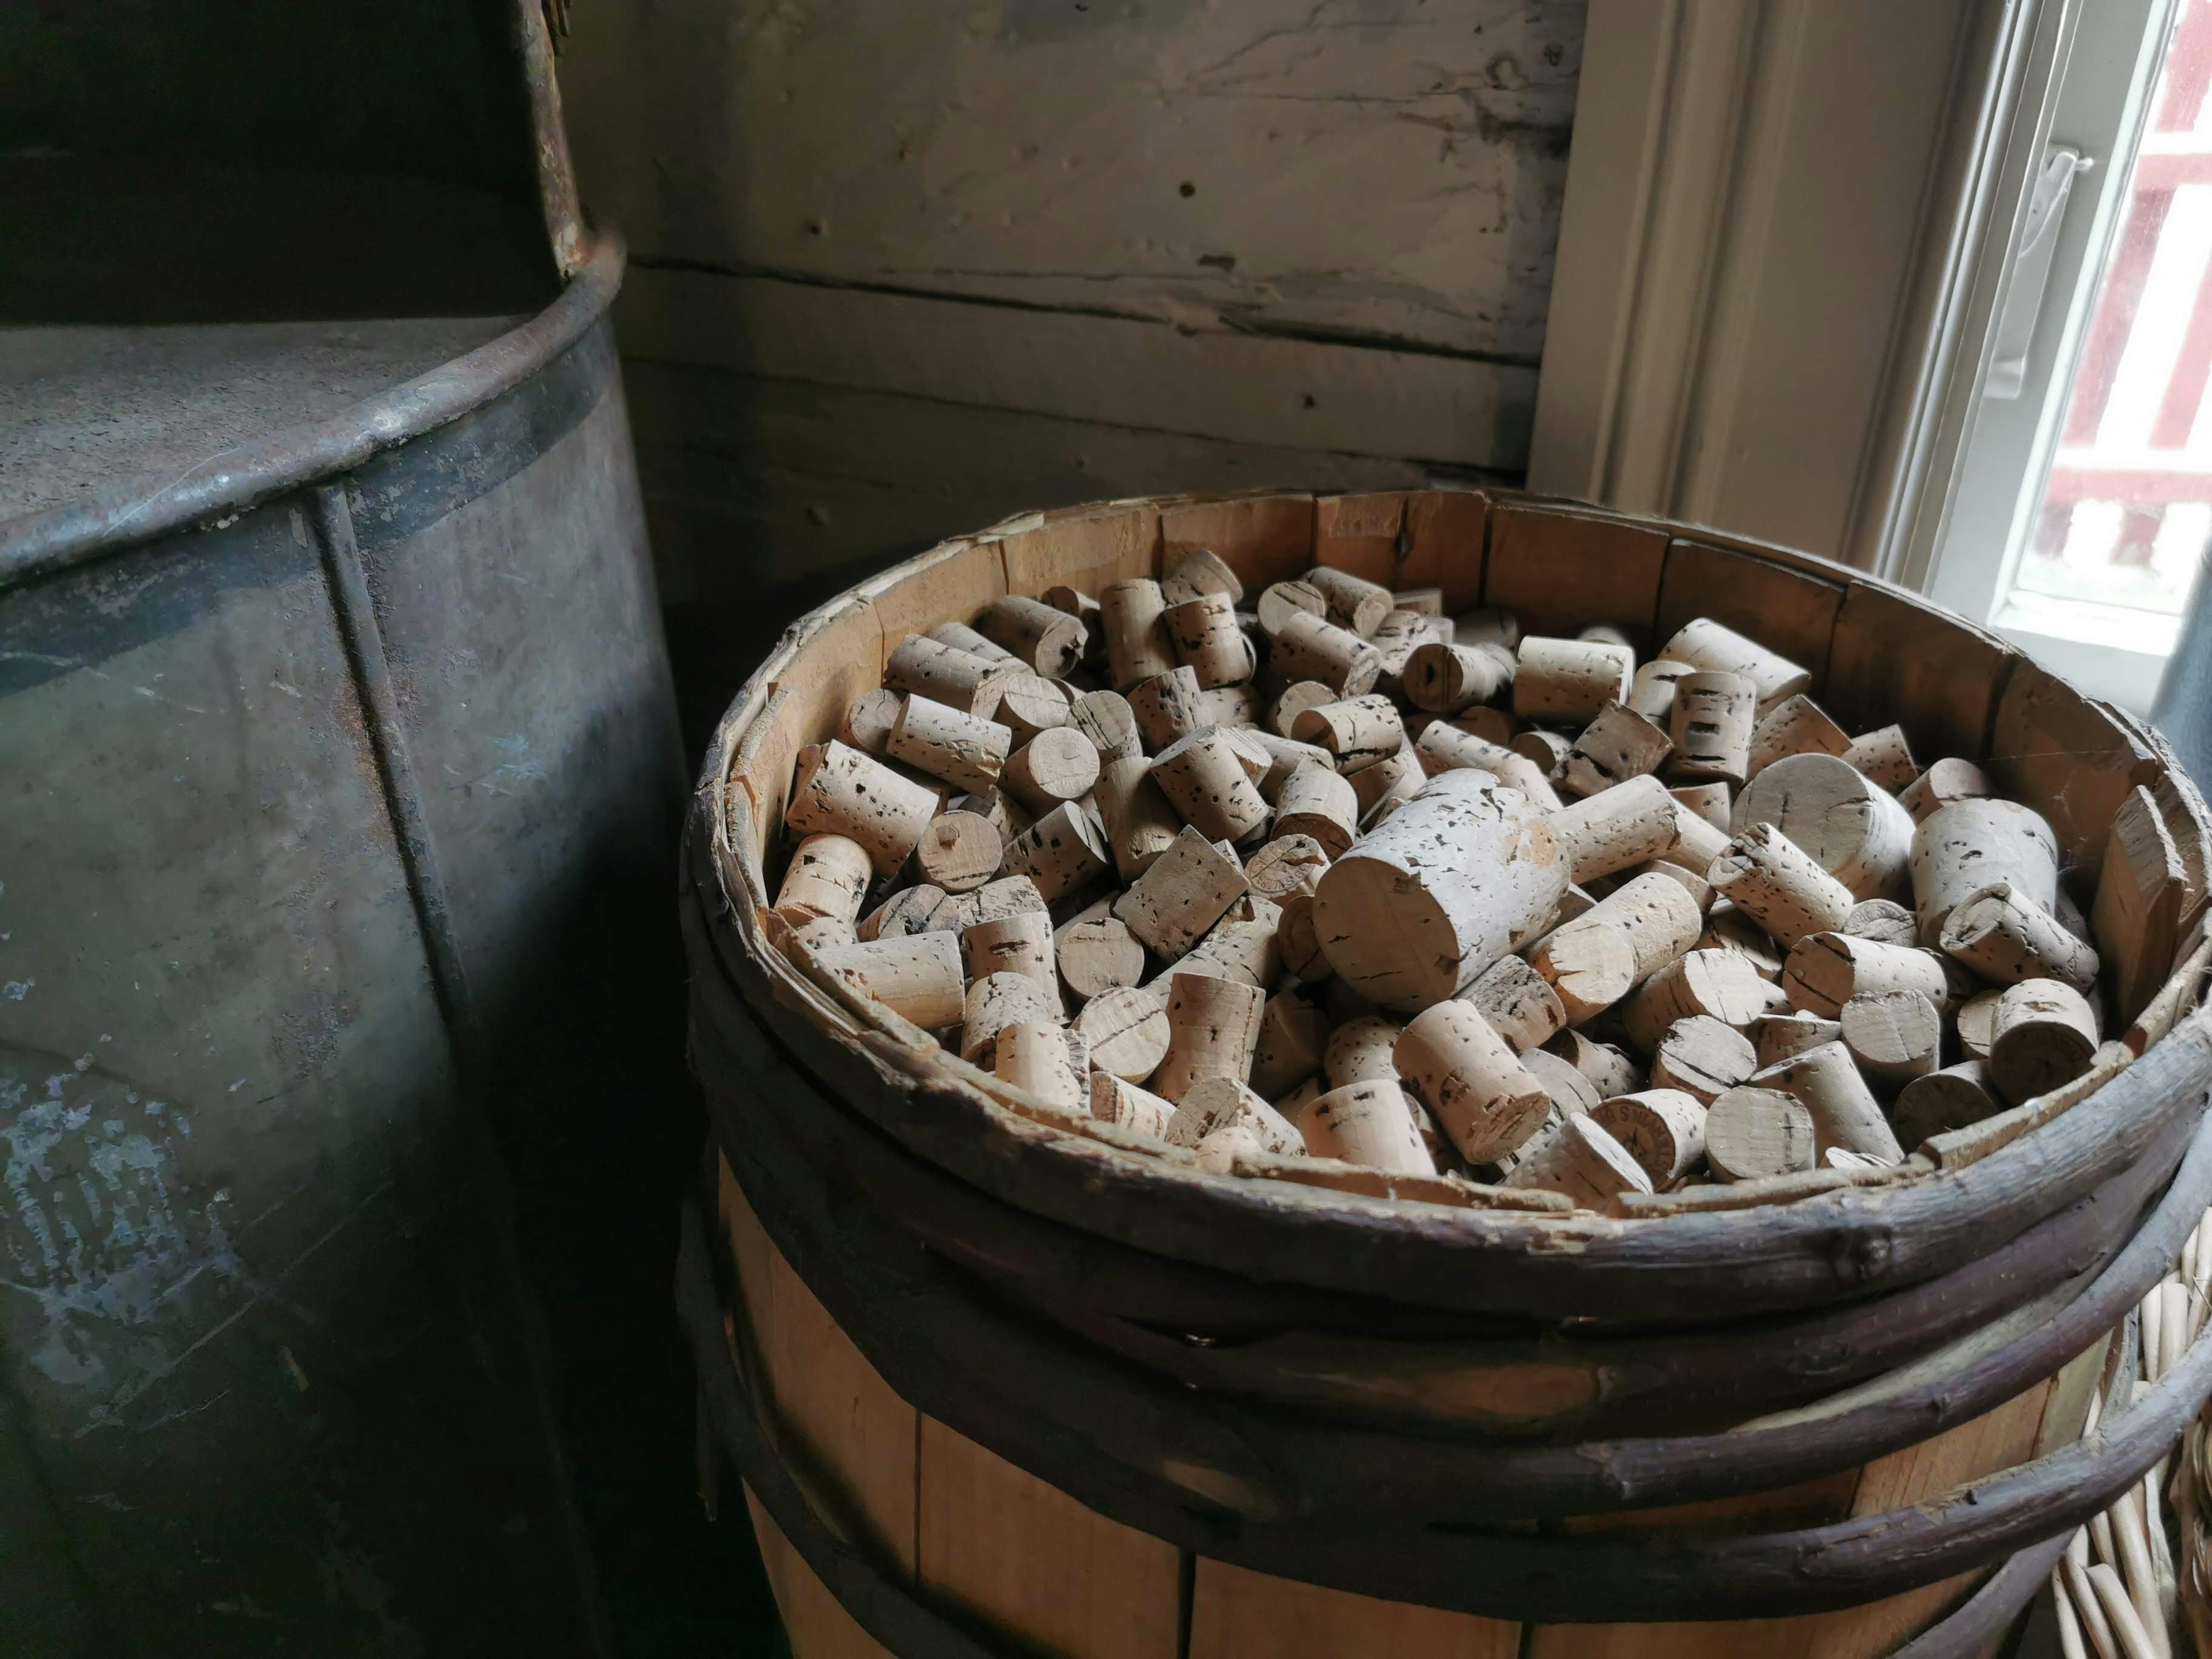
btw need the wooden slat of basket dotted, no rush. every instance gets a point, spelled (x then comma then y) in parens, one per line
(815, 1622)
(1894, 658)
(2070, 758)
(1786, 610)
(1558, 570)
(1087, 551)
(1266, 538)
(1237, 1613)
(1359, 533)
(1447, 531)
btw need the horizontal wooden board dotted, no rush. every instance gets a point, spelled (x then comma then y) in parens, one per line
(1304, 394)
(1393, 172)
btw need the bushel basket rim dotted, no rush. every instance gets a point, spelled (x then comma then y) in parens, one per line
(1845, 1243)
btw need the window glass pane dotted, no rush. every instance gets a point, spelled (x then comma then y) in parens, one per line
(2127, 505)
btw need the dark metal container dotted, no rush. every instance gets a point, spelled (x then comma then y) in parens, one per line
(322, 766)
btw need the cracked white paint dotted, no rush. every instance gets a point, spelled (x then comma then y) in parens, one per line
(100, 1233)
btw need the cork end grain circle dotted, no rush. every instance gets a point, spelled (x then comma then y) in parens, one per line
(1405, 940)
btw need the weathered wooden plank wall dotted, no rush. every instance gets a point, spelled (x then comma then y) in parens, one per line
(898, 269)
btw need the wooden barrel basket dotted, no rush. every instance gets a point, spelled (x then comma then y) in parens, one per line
(1002, 1379)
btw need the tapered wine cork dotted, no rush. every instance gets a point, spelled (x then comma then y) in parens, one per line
(2043, 1035)
(1445, 679)
(1662, 1130)
(1198, 572)
(1585, 1163)
(2002, 937)
(1717, 983)
(1383, 788)
(1204, 781)
(946, 674)
(962, 750)
(1856, 832)
(1180, 895)
(1357, 731)
(1085, 609)
(1361, 1048)
(995, 807)
(1046, 640)
(1127, 1032)
(1052, 766)
(1710, 724)
(1303, 958)
(1541, 749)
(1884, 757)
(1314, 648)
(1773, 881)
(1444, 748)
(1825, 1081)
(1034, 1058)
(1166, 707)
(837, 791)
(920, 909)
(791, 935)
(1221, 1151)
(1113, 1100)
(1569, 681)
(1280, 601)
(1611, 1070)
(1020, 943)
(962, 637)
(1572, 1093)
(1824, 971)
(1754, 1133)
(916, 976)
(1699, 889)
(1293, 1031)
(1353, 601)
(1651, 693)
(1487, 1101)
(1061, 851)
(1322, 806)
(1141, 824)
(1029, 704)
(1883, 920)
(1733, 930)
(1213, 1026)
(1107, 720)
(1617, 829)
(1285, 756)
(1629, 935)
(1779, 1036)
(1955, 1097)
(1398, 636)
(1703, 1058)
(1296, 699)
(1618, 745)
(828, 876)
(1519, 1002)
(1214, 1104)
(959, 852)
(1944, 784)
(1702, 840)
(1207, 640)
(868, 721)
(1459, 875)
(997, 1001)
(1796, 725)
(1369, 1123)
(1961, 849)
(1134, 615)
(1243, 945)
(1894, 1035)
(1976, 1022)
(1097, 955)
(1291, 862)
(1707, 645)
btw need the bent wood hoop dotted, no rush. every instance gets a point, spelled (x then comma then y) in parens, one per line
(1385, 1386)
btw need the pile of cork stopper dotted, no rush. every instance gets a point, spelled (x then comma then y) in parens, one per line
(1323, 885)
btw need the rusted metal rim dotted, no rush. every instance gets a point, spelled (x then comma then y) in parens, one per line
(140, 509)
